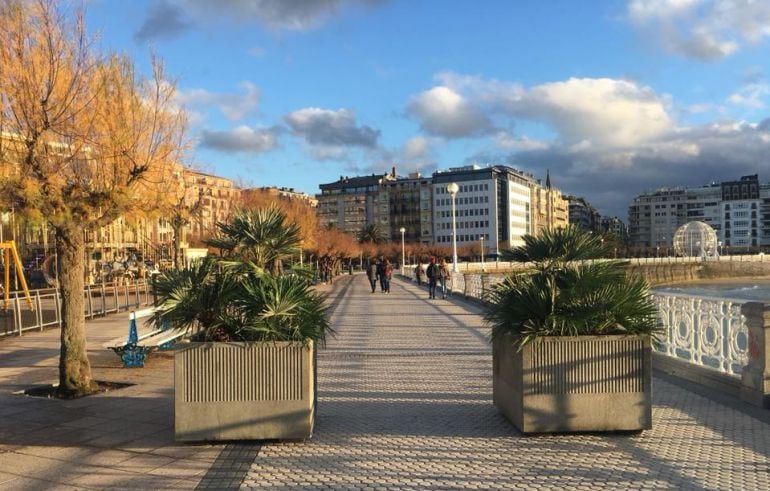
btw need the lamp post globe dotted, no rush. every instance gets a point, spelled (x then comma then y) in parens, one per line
(452, 188)
(403, 257)
(481, 238)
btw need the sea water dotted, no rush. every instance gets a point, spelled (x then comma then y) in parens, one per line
(755, 291)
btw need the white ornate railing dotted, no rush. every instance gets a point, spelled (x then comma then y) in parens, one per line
(709, 332)
(726, 335)
(703, 331)
(457, 284)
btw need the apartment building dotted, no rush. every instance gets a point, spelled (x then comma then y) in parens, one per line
(284, 192)
(739, 212)
(614, 226)
(492, 202)
(406, 203)
(583, 214)
(218, 198)
(350, 202)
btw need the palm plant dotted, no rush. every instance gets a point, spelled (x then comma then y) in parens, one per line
(227, 301)
(564, 294)
(243, 297)
(371, 234)
(261, 236)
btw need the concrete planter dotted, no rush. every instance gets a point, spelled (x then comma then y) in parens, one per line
(244, 391)
(566, 384)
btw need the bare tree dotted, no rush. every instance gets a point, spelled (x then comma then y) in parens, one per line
(87, 140)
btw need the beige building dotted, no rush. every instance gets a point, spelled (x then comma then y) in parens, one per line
(289, 193)
(218, 197)
(550, 209)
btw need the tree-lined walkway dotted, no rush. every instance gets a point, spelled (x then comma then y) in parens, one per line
(405, 403)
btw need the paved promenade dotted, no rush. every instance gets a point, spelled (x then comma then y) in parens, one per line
(404, 403)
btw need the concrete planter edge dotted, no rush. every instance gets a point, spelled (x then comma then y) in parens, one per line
(244, 391)
(574, 384)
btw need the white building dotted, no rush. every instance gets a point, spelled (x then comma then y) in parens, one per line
(653, 217)
(734, 209)
(740, 212)
(704, 204)
(492, 202)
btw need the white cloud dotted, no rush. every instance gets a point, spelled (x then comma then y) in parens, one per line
(506, 141)
(326, 127)
(611, 176)
(233, 106)
(241, 139)
(329, 152)
(700, 108)
(415, 155)
(751, 95)
(442, 111)
(660, 9)
(416, 148)
(702, 29)
(602, 111)
(614, 138)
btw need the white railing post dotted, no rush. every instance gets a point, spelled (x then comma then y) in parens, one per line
(17, 313)
(38, 309)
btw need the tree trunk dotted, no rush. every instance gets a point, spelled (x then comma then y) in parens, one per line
(178, 231)
(74, 367)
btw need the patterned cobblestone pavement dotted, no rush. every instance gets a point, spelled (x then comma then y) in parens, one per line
(405, 403)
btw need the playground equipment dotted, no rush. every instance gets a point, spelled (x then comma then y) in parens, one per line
(8, 249)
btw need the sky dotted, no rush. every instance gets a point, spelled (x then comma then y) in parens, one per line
(612, 97)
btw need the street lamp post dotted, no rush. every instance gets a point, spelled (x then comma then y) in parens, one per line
(403, 256)
(481, 238)
(452, 189)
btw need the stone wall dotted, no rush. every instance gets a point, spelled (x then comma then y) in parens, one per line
(660, 274)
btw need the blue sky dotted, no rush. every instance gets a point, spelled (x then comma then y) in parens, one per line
(613, 97)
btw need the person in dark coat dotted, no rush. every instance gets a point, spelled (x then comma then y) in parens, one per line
(371, 274)
(433, 274)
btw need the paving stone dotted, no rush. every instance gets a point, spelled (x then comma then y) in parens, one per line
(405, 403)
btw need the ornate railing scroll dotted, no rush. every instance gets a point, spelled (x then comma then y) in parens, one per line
(709, 332)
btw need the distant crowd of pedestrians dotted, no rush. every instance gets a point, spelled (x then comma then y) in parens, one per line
(380, 271)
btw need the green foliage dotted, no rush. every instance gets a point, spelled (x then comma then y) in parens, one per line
(262, 236)
(567, 295)
(371, 234)
(231, 301)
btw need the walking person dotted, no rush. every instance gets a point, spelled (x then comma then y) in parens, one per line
(371, 273)
(381, 274)
(432, 274)
(418, 272)
(387, 274)
(444, 276)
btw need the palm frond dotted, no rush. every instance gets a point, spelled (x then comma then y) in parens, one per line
(565, 295)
